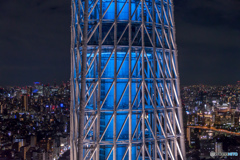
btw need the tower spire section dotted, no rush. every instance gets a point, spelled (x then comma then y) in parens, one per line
(125, 99)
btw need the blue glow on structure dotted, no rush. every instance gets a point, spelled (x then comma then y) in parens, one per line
(108, 98)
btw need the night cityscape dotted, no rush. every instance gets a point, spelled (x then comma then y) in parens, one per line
(119, 80)
(35, 121)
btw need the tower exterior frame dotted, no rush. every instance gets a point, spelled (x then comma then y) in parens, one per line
(125, 95)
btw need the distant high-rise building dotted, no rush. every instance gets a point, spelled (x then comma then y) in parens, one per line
(25, 102)
(23, 151)
(21, 143)
(33, 141)
(235, 120)
(218, 147)
(125, 95)
(188, 135)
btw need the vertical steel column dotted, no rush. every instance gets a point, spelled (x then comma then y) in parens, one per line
(99, 82)
(143, 81)
(94, 108)
(130, 78)
(83, 82)
(115, 84)
(154, 80)
(72, 88)
(164, 81)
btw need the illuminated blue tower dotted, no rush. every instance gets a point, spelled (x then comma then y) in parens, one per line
(125, 99)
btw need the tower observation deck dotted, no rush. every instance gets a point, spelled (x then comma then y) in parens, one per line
(125, 99)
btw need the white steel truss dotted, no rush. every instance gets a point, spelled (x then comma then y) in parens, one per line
(125, 98)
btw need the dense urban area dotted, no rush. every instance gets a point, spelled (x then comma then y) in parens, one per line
(212, 123)
(34, 121)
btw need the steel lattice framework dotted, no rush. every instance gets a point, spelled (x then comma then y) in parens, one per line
(125, 99)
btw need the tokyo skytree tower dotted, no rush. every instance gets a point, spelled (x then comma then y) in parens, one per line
(125, 98)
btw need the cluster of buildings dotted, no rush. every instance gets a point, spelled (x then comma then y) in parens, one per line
(34, 122)
(212, 119)
(212, 106)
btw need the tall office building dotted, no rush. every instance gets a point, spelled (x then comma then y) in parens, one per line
(125, 99)
(25, 102)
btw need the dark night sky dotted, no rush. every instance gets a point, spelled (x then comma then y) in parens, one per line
(35, 41)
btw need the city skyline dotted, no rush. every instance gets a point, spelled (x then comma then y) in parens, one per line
(35, 41)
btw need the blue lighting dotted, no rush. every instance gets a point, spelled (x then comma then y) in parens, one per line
(61, 105)
(121, 71)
